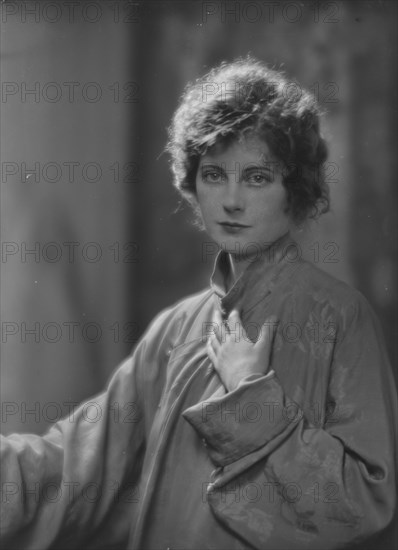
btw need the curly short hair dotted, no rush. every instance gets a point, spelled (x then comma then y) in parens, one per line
(244, 96)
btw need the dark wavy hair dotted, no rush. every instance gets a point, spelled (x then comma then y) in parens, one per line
(245, 96)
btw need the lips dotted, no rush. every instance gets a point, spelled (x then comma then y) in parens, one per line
(232, 224)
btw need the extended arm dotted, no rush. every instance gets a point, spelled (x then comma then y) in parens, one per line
(66, 485)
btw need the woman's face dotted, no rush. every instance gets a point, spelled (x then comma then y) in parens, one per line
(241, 196)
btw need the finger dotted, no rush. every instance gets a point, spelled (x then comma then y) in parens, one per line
(233, 317)
(234, 324)
(221, 327)
(211, 354)
(268, 331)
(217, 320)
(214, 343)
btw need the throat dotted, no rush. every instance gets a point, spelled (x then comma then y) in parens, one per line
(234, 271)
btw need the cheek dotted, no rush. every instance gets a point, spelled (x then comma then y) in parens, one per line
(272, 206)
(200, 192)
(207, 202)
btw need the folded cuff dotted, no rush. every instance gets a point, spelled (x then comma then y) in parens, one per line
(244, 419)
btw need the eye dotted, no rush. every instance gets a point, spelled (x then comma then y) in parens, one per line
(212, 176)
(258, 179)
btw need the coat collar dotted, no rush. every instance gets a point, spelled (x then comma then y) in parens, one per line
(259, 278)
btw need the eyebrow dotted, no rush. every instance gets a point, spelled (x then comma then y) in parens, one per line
(269, 167)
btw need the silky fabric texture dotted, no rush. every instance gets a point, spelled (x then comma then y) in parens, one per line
(301, 458)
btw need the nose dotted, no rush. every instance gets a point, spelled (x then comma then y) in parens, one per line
(233, 199)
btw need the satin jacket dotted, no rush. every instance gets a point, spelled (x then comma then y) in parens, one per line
(166, 458)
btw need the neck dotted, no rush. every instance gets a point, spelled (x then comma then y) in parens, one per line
(238, 266)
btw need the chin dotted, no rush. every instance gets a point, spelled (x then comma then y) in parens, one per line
(238, 247)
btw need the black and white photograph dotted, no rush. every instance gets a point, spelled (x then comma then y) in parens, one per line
(198, 284)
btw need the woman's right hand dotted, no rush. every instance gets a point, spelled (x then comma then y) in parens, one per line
(232, 353)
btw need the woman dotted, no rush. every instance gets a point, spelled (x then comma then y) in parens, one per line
(222, 430)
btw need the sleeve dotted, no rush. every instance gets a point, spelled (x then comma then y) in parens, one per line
(324, 486)
(64, 485)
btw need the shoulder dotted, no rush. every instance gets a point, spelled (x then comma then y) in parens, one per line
(335, 304)
(318, 286)
(170, 320)
(164, 333)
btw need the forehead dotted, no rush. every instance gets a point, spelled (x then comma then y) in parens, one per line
(246, 148)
